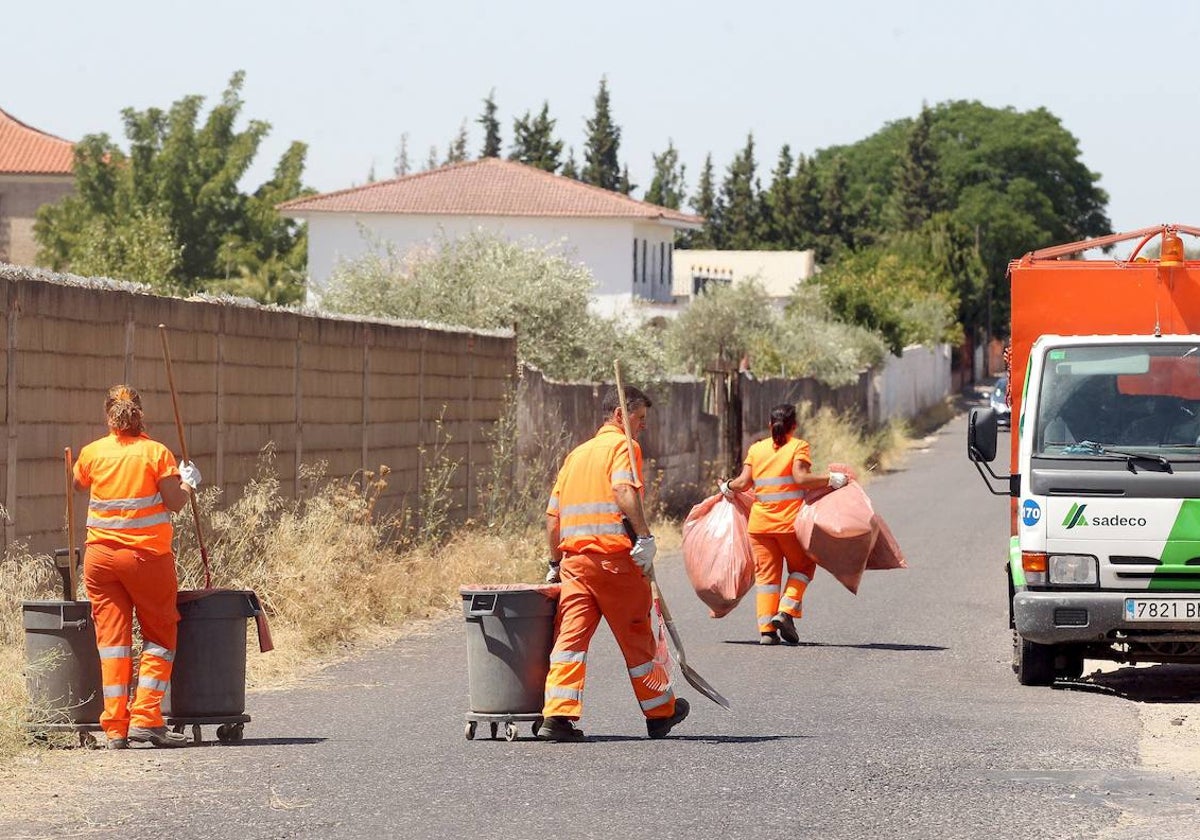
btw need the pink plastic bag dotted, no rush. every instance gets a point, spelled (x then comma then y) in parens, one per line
(839, 529)
(886, 554)
(716, 551)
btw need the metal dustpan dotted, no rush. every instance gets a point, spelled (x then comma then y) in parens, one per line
(694, 679)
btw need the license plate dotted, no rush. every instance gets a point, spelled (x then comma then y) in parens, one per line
(1162, 609)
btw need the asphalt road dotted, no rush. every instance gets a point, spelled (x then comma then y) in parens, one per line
(897, 717)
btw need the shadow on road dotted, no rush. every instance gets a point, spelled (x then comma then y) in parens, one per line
(702, 739)
(867, 646)
(269, 742)
(1146, 684)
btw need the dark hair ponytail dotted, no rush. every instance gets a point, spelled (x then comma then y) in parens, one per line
(783, 421)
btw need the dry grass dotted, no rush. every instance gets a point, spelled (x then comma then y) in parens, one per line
(838, 439)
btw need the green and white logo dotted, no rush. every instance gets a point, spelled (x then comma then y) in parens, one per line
(1075, 517)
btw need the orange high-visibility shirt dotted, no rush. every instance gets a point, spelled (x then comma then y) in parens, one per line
(126, 508)
(777, 497)
(588, 517)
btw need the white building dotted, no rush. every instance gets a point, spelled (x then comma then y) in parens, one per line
(778, 272)
(627, 244)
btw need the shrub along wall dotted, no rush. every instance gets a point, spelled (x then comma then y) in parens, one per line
(353, 393)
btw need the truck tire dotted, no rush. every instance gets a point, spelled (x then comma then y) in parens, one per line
(1069, 663)
(1033, 663)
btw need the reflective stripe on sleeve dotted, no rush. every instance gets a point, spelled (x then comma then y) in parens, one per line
(116, 652)
(553, 503)
(622, 475)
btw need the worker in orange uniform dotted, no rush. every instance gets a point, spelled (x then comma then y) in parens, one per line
(128, 566)
(601, 547)
(779, 469)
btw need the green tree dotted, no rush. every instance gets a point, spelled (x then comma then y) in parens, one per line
(737, 217)
(456, 152)
(781, 215)
(668, 187)
(720, 326)
(917, 193)
(533, 140)
(704, 203)
(570, 169)
(177, 190)
(491, 127)
(626, 186)
(602, 166)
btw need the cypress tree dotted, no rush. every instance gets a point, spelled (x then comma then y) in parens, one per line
(533, 140)
(667, 187)
(491, 127)
(739, 209)
(704, 203)
(779, 211)
(917, 195)
(600, 153)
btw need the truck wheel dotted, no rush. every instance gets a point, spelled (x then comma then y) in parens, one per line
(1069, 664)
(1033, 663)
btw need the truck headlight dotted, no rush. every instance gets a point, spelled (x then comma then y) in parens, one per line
(1073, 570)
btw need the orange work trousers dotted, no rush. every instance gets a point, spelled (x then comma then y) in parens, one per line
(121, 582)
(770, 550)
(613, 587)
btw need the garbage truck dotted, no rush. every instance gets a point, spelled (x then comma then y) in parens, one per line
(1104, 477)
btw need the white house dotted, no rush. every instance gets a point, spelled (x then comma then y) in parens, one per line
(627, 244)
(778, 272)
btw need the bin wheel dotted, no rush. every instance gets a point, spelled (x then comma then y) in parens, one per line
(227, 733)
(469, 730)
(537, 725)
(510, 731)
(238, 730)
(495, 726)
(197, 737)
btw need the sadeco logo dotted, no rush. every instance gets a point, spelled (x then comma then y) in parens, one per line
(1075, 517)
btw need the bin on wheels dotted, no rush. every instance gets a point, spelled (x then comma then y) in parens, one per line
(62, 668)
(510, 633)
(208, 680)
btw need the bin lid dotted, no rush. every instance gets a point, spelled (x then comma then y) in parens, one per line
(550, 590)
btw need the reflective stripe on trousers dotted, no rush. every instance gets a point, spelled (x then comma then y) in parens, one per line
(770, 551)
(120, 584)
(612, 587)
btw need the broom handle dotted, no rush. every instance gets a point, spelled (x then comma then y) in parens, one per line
(162, 332)
(72, 572)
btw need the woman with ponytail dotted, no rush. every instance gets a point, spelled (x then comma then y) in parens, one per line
(128, 566)
(779, 469)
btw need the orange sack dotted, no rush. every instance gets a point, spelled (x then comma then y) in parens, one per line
(842, 531)
(717, 553)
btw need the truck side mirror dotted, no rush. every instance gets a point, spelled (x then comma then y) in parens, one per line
(981, 435)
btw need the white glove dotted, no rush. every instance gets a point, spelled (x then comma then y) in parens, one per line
(189, 474)
(552, 575)
(723, 486)
(643, 553)
(837, 480)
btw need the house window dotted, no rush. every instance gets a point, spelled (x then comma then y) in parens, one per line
(662, 262)
(671, 264)
(643, 260)
(635, 264)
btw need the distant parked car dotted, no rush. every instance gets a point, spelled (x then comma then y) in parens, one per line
(999, 402)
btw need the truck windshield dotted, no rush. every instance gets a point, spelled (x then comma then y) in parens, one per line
(1137, 398)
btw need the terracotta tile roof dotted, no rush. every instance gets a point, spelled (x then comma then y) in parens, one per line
(486, 187)
(27, 151)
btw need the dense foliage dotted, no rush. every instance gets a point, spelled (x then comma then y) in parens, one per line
(169, 211)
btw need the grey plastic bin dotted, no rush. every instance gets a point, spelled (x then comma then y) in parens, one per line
(62, 664)
(209, 676)
(510, 633)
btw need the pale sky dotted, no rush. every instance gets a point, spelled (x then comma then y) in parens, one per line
(350, 78)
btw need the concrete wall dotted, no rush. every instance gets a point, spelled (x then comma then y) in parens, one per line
(910, 383)
(355, 394)
(20, 198)
(604, 246)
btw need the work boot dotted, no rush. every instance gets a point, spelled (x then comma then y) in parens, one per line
(558, 728)
(117, 744)
(771, 638)
(159, 736)
(659, 727)
(786, 627)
